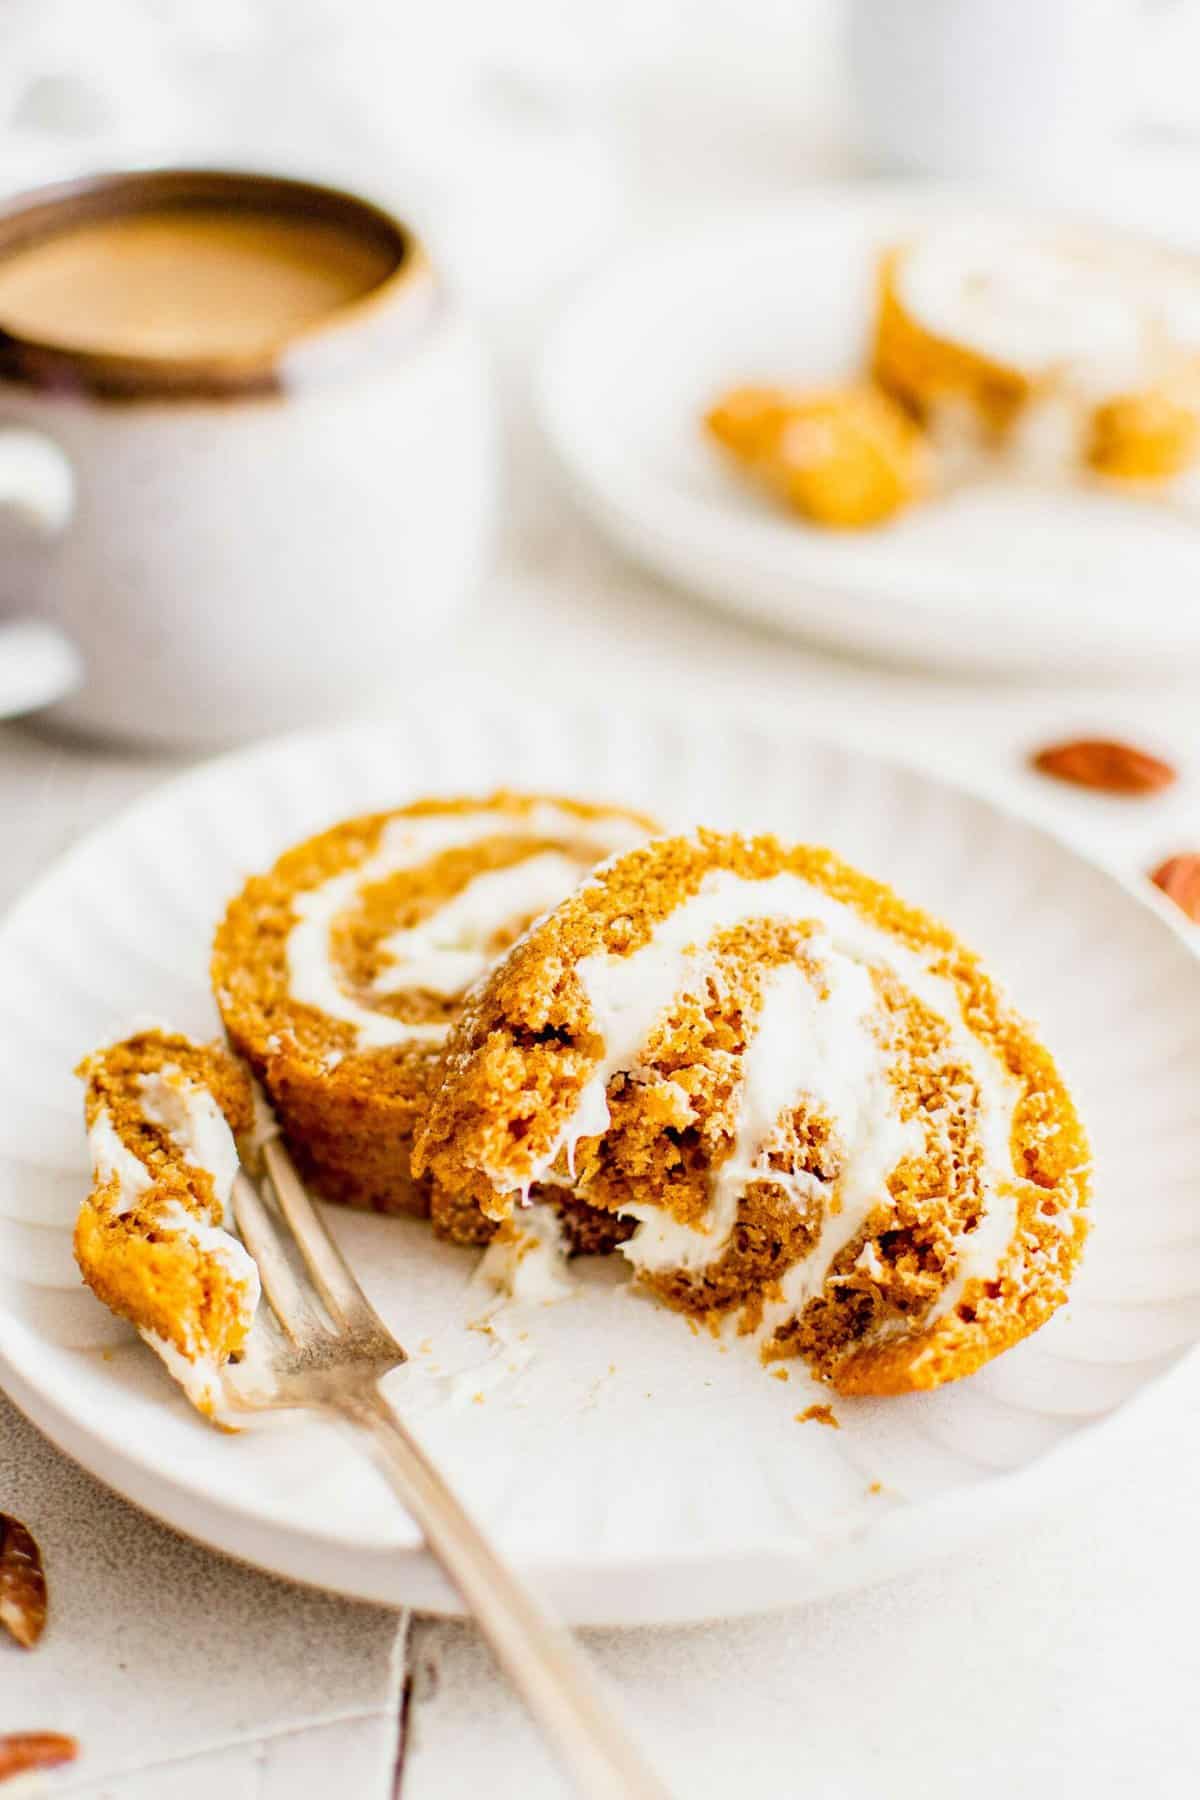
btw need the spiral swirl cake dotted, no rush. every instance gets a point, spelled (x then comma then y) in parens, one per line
(155, 1239)
(826, 1125)
(340, 971)
(1069, 354)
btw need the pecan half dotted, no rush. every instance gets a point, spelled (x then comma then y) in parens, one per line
(1179, 879)
(22, 1750)
(1105, 765)
(22, 1583)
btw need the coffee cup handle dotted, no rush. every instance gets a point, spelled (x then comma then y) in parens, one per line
(38, 662)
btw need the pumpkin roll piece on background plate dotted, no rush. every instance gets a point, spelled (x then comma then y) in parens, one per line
(1070, 353)
(168, 1121)
(340, 971)
(844, 457)
(827, 1127)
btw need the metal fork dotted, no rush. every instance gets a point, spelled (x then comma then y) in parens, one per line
(329, 1354)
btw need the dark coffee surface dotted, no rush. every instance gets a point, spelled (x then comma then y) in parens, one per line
(186, 281)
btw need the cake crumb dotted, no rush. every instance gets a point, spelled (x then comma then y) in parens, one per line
(876, 1487)
(780, 1375)
(819, 1415)
(477, 1399)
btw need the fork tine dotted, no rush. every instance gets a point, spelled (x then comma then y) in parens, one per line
(293, 1308)
(325, 1263)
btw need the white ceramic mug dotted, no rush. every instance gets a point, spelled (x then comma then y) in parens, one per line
(1034, 89)
(196, 553)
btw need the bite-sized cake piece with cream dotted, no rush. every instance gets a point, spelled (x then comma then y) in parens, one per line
(155, 1239)
(1150, 436)
(844, 457)
(828, 1128)
(341, 970)
(1068, 353)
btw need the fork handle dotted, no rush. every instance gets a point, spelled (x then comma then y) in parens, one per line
(536, 1653)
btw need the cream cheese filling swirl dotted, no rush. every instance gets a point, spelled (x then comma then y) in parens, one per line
(815, 1039)
(450, 948)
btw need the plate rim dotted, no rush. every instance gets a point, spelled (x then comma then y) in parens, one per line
(405, 1574)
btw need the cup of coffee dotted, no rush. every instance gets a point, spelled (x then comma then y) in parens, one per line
(246, 456)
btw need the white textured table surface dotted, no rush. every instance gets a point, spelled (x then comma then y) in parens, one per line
(1063, 1662)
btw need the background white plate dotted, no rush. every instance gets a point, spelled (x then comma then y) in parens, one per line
(641, 1473)
(995, 576)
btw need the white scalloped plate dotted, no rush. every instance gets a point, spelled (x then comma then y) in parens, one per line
(639, 1472)
(997, 575)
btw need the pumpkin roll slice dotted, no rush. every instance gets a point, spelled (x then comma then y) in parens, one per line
(828, 1128)
(1148, 437)
(155, 1239)
(1146, 431)
(944, 331)
(340, 971)
(844, 457)
(1068, 353)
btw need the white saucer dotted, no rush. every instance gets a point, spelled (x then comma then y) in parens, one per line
(995, 577)
(637, 1470)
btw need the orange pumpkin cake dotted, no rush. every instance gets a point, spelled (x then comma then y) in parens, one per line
(843, 457)
(340, 971)
(155, 1239)
(1067, 353)
(808, 1102)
